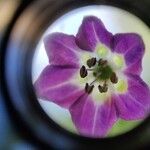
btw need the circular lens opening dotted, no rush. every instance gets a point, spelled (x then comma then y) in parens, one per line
(90, 71)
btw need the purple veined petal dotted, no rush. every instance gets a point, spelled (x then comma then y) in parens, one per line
(54, 85)
(135, 68)
(132, 47)
(93, 120)
(135, 104)
(91, 32)
(129, 108)
(61, 49)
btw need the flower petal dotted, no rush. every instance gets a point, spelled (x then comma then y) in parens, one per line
(91, 32)
(132, 47)
(91, 119)
(54, 85)
(135, 104)
(61, 49)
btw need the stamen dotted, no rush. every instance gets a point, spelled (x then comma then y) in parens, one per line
(114, 78)
(89, 88)
(100, 88)
(91, 62)
(102, 62)
(83, 72)
(102, 72)
(104, 88)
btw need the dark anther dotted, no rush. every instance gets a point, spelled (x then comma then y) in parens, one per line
(102, 62)
(100, 88)
(89, 88)
(83, 72)
(91, 62)
(114, 78)
(103, 89)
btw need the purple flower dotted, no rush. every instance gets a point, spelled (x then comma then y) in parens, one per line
(96, 75)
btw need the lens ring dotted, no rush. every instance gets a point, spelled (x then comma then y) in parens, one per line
(20, 85)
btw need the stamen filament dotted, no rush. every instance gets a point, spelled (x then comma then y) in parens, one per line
(93, 81)
(97, 77)
(90, 69)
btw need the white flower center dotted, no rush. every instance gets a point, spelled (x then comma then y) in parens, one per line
(104, 79)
